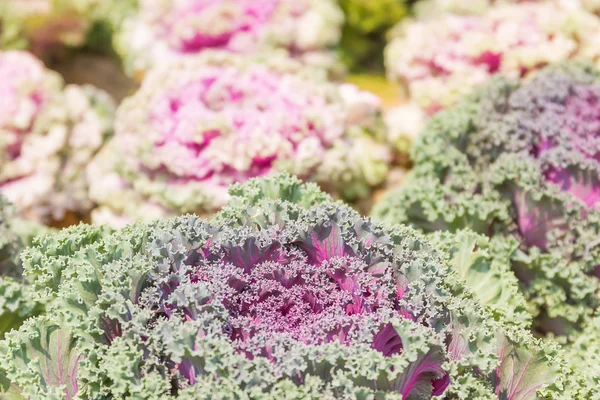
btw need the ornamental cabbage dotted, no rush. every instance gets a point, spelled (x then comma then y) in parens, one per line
(164, 31)
(519, 159)
(285, 294)
(48, 134)
(199, 125)
(438, 61)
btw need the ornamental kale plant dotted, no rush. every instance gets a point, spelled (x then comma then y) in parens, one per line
(48, 134)
(519, 160)
(439, 60)
(165, 31)
(285, 294)
(197, 126)
(17, 300)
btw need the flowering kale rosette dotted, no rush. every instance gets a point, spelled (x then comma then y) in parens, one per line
(164, 31)
(197, 126)
(440, 60)
(519, 160)
(285, 294)
(48, 134)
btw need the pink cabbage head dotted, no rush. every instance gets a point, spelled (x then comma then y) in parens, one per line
(48, 134)
(170, 30)
(199, 125)
(441, 59)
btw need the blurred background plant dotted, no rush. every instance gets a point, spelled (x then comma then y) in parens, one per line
(365, 27)
(435, 50)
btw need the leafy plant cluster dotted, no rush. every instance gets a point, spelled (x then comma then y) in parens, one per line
(284, 294)
(478, 278)
(518, 162)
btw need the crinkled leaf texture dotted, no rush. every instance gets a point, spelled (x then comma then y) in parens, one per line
(519, 160)
(10, 243)
(43, 352)
(17, 299)
(285, 294)
(484, 267)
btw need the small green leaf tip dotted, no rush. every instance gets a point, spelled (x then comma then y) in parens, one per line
(283, 186)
